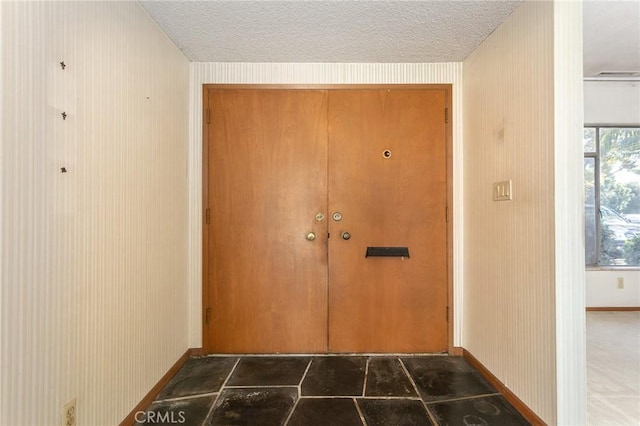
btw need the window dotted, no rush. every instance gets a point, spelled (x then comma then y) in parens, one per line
(612, 195)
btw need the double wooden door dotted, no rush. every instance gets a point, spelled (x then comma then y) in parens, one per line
(326, 220)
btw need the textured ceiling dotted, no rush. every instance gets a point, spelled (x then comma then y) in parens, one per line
(328, 31)
(376, 31)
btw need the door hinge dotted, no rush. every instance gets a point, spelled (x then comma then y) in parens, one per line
(208, 216)
(447, 314)
(446, 115)
(207, 316)
(446, 213)
(208, 115)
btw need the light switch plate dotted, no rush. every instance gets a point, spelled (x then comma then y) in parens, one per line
(502, 191)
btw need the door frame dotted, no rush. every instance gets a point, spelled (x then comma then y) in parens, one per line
(205, 179)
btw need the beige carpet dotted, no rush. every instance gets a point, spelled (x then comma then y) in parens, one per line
(613, 368)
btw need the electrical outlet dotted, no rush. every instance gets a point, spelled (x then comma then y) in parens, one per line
(620, 283)
(69, 413)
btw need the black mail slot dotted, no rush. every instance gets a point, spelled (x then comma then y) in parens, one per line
(387, 252)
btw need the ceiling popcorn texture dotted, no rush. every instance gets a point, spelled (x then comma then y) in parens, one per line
(328, 31)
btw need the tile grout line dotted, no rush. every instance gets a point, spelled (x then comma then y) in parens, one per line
(415, 387)
(295, 404)
(366, 375)
(394, 398)
(186, 397)
(464, 398)
(233, 369)
(210, 413)
(355, 402)
(260, 386)
(304, 376)
(359, 397)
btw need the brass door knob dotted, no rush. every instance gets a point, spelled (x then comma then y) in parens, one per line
(346, 235)
(311, 236)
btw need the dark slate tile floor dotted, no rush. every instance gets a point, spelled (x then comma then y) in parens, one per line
(330, 390)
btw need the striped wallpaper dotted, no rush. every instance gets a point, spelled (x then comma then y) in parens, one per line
(94, 266)
(101, 266)
(524, 276)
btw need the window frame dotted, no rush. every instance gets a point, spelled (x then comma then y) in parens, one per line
(596, 183)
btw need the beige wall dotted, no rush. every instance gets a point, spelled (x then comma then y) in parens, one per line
(617, 103)
(612, 102)
(101, 266)
(603, 291)
(94, 261)
(516, 264)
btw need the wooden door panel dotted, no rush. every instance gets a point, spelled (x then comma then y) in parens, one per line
(267, 181)
(272, 166)
(388, 304)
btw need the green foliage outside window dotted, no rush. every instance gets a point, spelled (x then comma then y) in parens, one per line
(632, 251)
(610, 250)
(620, 154)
